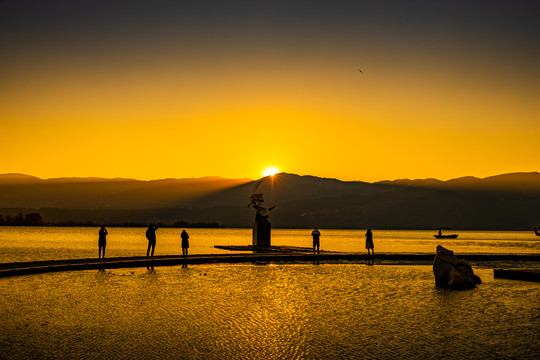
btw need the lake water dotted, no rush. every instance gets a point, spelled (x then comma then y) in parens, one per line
(51, 243)
(275, 311)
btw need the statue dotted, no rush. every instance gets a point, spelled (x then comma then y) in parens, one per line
(261, 226)
(256, 201)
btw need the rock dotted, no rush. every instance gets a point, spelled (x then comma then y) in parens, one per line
(452, 272)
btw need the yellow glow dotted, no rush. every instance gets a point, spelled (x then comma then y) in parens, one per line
(270, 171)
(167, 122)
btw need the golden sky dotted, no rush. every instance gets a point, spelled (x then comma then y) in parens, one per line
(207, 88)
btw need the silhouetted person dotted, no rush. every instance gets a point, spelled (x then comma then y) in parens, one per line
(185, 242)
(369, 241)
(102, 242)
(316, 235)
(151, 236)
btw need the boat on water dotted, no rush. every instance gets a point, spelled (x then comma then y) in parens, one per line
(443, 233)
(537, 230)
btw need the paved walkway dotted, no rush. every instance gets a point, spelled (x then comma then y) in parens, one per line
(36, 267)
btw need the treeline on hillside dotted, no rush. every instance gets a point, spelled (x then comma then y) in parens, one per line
(32, 219)
(35, 219)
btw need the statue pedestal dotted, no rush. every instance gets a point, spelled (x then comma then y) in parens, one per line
(261, 233)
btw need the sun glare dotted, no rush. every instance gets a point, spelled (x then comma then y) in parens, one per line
(270, 171)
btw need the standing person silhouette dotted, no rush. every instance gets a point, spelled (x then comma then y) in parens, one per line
(102, 242)
(316, 235)
(369, 241)
(151, 236)
(185, 242)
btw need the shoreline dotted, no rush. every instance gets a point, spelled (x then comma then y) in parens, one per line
(195, 225)
(47, 266)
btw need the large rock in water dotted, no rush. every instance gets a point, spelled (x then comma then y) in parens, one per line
(452, 272)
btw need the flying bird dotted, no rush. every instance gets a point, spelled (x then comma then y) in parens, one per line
(361, 72)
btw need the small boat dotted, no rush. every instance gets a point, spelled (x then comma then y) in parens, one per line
(442, 235)
(537, 230)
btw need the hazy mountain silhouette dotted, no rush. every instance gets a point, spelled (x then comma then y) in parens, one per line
(95, 193)
(283, 187)
(509, 201)
(18, 179)
(521, 182)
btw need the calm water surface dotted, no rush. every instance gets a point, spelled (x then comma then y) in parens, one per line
(297, 311)
(276, 311)
(48, 243)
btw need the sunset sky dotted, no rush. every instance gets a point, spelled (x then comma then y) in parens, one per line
(173, 89)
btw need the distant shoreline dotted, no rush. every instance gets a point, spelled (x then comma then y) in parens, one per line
(84, 224)
(504, 202)
(222, 226)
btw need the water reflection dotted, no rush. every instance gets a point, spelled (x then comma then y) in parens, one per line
(46, 243)
(295, 311)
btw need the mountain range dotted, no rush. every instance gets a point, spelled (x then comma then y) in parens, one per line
(502, 202)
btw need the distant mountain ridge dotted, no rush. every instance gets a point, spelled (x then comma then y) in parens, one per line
(506, 202)
(523, 180)
(18, 190)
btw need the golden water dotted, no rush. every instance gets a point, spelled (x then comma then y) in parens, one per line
(295, 311)
(46, 243)
(277, 311)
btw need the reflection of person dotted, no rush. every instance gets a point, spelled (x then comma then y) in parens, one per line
(102, 242)
(151, 236)
(185, 242)
(316, 235)
(369, 241)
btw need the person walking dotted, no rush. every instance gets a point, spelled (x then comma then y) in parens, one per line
(102, 242)
(369, 241)
(185, 242)
(316, 235)
(151, 236)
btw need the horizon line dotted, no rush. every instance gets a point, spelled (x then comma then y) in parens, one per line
(246, 179)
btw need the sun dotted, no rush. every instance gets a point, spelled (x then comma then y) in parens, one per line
(270, 171)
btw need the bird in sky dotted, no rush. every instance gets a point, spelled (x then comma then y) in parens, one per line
(361, 72)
